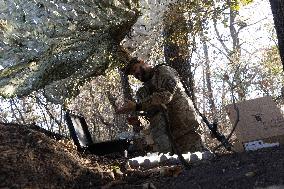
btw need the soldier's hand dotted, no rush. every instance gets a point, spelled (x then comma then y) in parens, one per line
(128, 106)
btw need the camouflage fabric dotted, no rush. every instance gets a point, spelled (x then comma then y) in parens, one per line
(157, 120)
(166, 88)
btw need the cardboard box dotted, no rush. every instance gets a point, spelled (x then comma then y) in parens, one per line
(259, 119)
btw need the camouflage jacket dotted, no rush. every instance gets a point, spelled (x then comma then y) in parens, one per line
(164, 87)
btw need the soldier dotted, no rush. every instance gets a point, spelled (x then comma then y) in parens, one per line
(162, 86)
(157, 121)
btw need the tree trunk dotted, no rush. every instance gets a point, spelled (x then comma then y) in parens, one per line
(176, 47)
(233, 55)
(277, 7)
(213, 108)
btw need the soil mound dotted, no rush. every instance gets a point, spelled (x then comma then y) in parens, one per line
(30, 159)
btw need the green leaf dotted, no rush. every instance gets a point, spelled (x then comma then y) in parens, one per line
(246, 2)
(236, 7)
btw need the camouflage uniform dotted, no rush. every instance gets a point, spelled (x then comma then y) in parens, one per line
(157, 122)
(165, 88)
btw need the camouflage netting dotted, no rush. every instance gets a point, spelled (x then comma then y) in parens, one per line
(60, 44)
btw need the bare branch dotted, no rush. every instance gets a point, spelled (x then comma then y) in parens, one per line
(12, 102)
(48, 111)
(219, 37)
(221, 51)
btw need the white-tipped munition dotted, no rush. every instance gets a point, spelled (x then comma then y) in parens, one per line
(173, 159)
(146, 162)
(193, 157)
(164, 157)
(186, 156)
(153, 159)
(199, 155)
(207, 155)
(134, 163)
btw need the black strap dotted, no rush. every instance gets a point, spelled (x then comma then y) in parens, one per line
(213, 127)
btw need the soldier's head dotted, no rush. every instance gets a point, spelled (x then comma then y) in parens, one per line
(139, 69)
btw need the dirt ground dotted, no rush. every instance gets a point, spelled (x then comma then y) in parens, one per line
(31, 159)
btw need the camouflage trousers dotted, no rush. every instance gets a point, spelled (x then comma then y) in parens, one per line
(159, 134)
(186, 139)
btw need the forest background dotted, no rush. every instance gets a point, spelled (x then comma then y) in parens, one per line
(59, 55)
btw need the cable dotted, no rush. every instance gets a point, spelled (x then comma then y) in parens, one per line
(213, 127)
